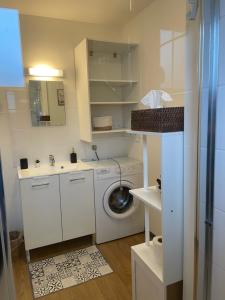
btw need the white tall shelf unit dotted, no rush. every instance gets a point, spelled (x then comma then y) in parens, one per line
(106, 84)
(157, 270)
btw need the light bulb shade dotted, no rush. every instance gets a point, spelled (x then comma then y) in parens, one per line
(43, 71)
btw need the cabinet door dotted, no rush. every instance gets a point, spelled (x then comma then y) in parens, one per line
(11, 63)
(77, 204)
(145, 286)
(41, 211)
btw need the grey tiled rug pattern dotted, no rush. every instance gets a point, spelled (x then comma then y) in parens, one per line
(63, 271)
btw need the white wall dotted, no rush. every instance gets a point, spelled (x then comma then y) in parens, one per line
(52, 42)
(159, 31)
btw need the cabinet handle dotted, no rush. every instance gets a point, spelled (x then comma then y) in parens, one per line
(39, 185)
(77, 179)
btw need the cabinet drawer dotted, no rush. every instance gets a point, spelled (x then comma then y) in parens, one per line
(77, 204)
(41, 211)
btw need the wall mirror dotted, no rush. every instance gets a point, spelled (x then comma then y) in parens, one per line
(47, 103)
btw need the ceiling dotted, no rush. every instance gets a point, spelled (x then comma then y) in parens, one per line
(91, 11)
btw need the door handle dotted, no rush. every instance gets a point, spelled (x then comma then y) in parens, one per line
(41, 184)
(77, 179)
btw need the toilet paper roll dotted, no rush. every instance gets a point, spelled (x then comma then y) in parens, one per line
(157, 247)
(157, 241)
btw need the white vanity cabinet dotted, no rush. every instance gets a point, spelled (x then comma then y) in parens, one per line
(77, 204)
(41, 211)
(56, 207)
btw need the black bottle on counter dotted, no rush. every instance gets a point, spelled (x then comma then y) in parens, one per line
(23, 163)
(73, 157)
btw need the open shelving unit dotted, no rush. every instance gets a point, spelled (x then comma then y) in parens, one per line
(106, 84)
(157, 270)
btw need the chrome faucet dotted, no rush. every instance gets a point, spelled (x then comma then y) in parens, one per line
(51, 160)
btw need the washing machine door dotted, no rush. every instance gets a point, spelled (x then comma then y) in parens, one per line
(118, 202)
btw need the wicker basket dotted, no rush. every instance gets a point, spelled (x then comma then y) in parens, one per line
(168, 119)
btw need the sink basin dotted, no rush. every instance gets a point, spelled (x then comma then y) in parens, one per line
(45, 170)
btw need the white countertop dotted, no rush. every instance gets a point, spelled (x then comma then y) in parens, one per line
(59, 168)
(66, 167)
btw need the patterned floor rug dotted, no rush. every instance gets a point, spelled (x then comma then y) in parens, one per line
(63, 271)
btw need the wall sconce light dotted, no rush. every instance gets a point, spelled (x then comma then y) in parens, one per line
(45, 71)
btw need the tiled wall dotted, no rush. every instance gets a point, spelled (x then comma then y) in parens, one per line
(218, 282)
(161, 39)
(52, 42)
(160, 33)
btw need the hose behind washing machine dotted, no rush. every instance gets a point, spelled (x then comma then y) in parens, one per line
(120, 170)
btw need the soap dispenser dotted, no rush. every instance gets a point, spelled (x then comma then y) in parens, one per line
(73, 157)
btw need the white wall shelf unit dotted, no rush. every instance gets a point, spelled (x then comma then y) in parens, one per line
(157, 270)
(106, 84)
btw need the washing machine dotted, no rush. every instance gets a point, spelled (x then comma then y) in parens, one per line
(118, 213)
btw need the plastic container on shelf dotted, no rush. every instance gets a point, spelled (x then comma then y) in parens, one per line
(102, 123)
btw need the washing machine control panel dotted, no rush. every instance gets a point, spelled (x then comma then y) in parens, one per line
(104, 173)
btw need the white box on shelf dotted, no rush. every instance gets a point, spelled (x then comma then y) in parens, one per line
(102, 123)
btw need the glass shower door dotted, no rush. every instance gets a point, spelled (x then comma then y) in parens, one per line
(4, 289)
(6, 281)
(203, 160)
(208, 99)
